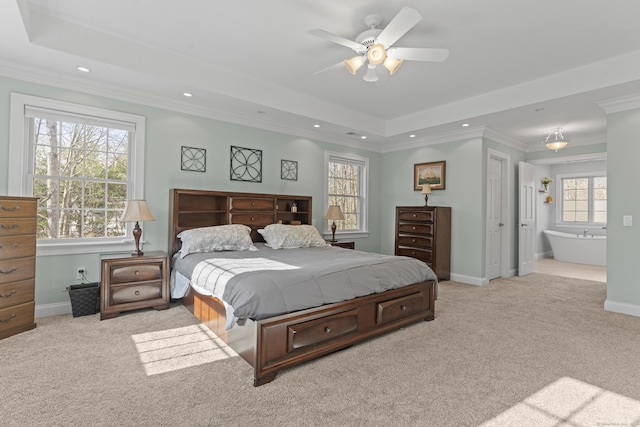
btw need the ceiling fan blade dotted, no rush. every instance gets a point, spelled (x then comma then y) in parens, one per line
(405, 20)
(337, 39)
(333, 67)
(419, 54)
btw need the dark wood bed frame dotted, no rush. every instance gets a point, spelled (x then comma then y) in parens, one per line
(284, 341)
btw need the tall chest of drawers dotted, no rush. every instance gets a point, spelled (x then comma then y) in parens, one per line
(17, 264)
(424, 232)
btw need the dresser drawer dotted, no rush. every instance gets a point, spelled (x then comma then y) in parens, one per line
(17, 293)
(15, 226)
(257, 219)
(136, 273)
(415, 228)
(131, 293)
(17, 246)
(16, 316)
(13, 270)
(400, 307)
(422, 216)
(326, 328)
(415, 241)
(421, 254)
(251, 204)
(17, 208)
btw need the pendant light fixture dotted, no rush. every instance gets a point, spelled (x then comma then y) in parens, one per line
(555, 140)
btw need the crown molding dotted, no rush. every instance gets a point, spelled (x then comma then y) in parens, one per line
(617, 105)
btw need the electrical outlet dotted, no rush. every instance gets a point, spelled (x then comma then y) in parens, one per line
(81, 272)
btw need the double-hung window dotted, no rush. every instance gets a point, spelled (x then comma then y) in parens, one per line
(583, 199)
(81, 163)
(346, 180)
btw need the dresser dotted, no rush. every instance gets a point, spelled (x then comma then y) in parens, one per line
(424, 232)
(134, 282)
(17, 264)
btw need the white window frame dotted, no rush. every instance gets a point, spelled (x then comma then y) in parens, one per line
(363, 231)
(560, 199)
(20, 180)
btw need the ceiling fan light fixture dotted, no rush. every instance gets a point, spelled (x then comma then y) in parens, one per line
(392, 64)
(370, 76)
(555, 140)
(353, 64)
(376, 54)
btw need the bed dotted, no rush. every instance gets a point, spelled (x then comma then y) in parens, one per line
(324, 307)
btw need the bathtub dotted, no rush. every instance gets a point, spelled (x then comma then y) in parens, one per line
(577, 248)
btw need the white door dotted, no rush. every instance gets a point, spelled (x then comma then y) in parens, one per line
(527, 218)
(495, 222)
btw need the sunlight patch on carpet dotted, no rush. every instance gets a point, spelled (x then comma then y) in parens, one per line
(180, 348)
(571, 402)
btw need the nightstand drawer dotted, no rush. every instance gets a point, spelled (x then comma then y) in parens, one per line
(132, 293)
(136, 273)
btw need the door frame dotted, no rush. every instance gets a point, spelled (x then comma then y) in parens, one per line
(505, 186)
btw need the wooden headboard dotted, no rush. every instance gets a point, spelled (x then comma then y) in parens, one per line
(201, 208)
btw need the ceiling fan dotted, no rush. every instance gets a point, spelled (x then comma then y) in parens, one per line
(375, 45)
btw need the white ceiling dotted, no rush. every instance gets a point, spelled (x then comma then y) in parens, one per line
(516, 69)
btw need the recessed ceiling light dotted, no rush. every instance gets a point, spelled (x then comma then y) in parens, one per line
(539, 109)
(316, 126)
(188, 94)
(363, 137)
(412, 136)
(262, 112)
(464, 125)
(83, 69)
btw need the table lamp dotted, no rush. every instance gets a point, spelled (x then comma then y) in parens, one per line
(426, 190)
(136, 210)
(334, 213)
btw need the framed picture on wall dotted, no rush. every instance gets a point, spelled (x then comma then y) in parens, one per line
(432, 174)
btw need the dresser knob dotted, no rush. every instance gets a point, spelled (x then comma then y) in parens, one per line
(415, 216)
(414, 228)
(137, 272)
(403, 308)
(253, 219)
(137, 292)
(413, 240)
(15, 245)
(253, 203)
(327, 330)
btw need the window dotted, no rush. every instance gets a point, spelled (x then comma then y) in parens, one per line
(584, 199)
(346, 178)
(80, 162)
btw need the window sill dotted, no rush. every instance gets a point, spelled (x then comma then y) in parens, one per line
(347, 235)
(78, 248)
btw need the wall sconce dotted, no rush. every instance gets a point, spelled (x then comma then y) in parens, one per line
(136, 210)
(426, 190)
(334, 213)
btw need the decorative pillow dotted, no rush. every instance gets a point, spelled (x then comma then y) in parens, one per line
(233, 237)
(280, 236)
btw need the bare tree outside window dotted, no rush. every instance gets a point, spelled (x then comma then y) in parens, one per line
(344, 191)
(80, 178)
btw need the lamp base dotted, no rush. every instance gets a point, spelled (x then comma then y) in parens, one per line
(426, 200)
(137, 232)
(137, 253)
(333, 233)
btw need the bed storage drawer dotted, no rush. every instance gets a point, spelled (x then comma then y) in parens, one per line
(399, 307)
(326, 328)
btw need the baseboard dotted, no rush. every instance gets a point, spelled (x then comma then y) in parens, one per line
(469, 280)
(46, 310)
(622, 307)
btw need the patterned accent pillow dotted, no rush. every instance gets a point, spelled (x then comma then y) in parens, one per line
(280, 236)
(233, 237)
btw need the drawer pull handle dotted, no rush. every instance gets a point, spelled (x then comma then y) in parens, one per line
(253, 219)
(415, 216)
(137, 292)
(10, 227)
(403, 307)
(413, 240)
(327, 330)
(137, 272)
(253, 203)
(414, 228)
(15, 208)
(413, 252)
(9, 271)
(13, 292)
(13, 316)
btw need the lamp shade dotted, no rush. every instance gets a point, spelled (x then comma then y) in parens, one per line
(392, 64)
(377, 54)
(136, 210)
(334, 212)
(426, 189)
(556, 140)
(354, 64)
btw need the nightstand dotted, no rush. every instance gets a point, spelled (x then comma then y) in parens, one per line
(134, 282)
(346, 245)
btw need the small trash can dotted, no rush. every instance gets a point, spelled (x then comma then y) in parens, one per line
(85, 299)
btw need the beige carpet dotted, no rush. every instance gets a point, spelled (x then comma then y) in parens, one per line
(528, 351)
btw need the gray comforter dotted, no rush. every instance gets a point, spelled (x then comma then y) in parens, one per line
(268, 282)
